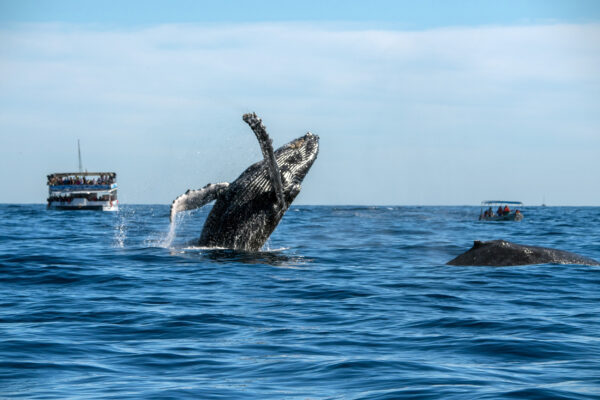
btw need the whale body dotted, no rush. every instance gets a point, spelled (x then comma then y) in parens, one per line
(501, 253)
(249, 209)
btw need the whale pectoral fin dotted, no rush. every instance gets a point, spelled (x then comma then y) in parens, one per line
(266, 146)
(193, 199)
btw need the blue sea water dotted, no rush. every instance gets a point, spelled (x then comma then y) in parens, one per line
(343, 303)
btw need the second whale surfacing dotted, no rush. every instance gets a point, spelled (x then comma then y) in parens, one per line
(500, 253)
(249, 209)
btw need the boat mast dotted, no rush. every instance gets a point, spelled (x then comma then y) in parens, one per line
(79, 154)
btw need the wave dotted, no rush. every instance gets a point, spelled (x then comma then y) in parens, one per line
(352, 302)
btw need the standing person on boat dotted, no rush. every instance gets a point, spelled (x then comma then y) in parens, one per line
(506, 210)
(499, 211)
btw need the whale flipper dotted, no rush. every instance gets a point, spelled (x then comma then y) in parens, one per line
(266, 146)
(193, 199)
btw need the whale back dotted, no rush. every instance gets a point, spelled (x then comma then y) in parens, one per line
(502, 253)
(246, 214)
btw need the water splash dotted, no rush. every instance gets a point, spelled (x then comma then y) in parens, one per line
(167, 240)
(120, 232)
(267, 246)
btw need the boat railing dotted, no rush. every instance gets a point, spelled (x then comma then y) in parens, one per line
(71, 188)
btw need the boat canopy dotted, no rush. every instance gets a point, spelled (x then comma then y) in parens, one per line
(492, 202)
(61, 174)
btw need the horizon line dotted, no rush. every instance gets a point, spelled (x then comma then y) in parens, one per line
(342, 205)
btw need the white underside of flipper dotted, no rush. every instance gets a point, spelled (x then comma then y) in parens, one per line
(193, 199)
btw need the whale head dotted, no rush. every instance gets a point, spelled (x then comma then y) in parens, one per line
(295, 159)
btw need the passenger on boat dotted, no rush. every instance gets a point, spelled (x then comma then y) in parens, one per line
(78, 180)
(499, 211)
(506, 210)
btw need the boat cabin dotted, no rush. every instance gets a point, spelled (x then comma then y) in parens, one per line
(83, 191)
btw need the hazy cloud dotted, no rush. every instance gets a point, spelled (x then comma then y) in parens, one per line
(411, 117)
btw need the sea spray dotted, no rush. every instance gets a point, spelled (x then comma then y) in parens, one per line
(167, 240)
(120, 231)
(179, 221)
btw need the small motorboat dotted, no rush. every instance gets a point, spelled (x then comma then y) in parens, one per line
(500, 210)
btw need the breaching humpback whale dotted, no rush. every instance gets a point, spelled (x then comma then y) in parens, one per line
(501, 253)
(248, 210)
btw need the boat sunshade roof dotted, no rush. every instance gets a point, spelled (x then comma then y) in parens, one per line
(502, 201)
(58, 175)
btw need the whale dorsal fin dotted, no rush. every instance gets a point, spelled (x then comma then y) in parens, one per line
(266, 146)
(193, 199)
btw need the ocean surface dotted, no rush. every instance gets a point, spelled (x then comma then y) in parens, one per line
(343, 303)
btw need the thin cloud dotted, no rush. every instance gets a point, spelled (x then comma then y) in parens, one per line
(161, 90)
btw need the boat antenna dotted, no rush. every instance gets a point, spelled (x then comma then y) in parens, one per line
(79, 154)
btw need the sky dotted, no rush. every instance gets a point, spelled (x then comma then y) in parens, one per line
(416, 103)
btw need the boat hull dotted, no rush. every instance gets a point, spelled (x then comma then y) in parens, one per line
(99, 206)
(508, 217)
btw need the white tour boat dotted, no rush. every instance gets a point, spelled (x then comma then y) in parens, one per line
(83, 191)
